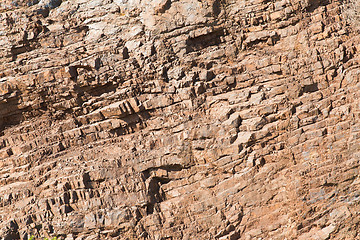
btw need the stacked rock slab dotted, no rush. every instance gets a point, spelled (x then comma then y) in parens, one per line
(162, 119)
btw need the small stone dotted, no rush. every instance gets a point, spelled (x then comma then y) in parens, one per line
(206, 75)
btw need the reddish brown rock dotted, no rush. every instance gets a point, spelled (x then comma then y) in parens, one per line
(179, 120)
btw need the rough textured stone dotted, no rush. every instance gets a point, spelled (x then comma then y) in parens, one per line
(179, 120)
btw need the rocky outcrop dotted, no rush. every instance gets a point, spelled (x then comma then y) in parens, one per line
(162, 119)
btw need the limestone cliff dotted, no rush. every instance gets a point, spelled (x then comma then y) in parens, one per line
(193, 119)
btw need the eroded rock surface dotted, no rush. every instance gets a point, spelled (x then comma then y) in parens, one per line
(162, 119)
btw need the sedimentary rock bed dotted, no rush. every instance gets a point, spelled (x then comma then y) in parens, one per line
(162, 119)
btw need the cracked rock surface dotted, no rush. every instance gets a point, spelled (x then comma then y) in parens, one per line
(164, 119)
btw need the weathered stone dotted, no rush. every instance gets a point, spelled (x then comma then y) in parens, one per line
(185, 119)
(206, 75)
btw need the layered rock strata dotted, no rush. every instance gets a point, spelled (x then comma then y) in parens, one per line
(162, 119)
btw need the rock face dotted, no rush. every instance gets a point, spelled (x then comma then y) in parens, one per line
(162, 119)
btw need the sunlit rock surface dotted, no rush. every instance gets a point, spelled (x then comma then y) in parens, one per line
(179, 120)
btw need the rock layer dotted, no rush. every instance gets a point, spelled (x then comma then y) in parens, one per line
(162, 119)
